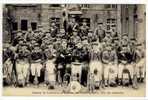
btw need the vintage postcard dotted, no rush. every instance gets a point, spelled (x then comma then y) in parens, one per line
(74, 50)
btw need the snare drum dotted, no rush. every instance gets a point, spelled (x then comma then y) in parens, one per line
(75, 87)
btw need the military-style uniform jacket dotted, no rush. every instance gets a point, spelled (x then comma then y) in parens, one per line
(23, 55)
(84, 30)
(78, 54)
(61, 56)
(125, 56)
(95, 55)
(8, 54)
(53, 31)
(37, 56)
(109, 57)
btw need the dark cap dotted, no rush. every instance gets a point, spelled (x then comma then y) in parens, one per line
(124, 45)
(94, 43)
(138, 44)
(90, 31)
(39, 26)
(36, 31)
(99, 23)
(19, 31)
(36, 44)
(84, 20)
(133, 39)
(20, 39)
(116, 38)
(24, 44)
(125, 34)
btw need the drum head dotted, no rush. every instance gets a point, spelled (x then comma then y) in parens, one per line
(60, 67)
(75, 87)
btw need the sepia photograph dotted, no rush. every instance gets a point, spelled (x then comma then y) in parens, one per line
(74, 50)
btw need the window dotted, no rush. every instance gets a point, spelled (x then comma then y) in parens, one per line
(15, 26)
(85, 5)
(108, 27)
(87, 21)
(111, 24)
(57, 20)
(108, 6)
(114, 6)
(55, 5)
(24, 25)
(34, 26)
(108, 20)
(113, 21)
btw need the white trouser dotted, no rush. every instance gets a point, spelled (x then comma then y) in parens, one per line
(129, 67)
(22, 69)
(120, 70)
(140, 68)
(110, 71)
(7, 69)
(96, 65)
(50, 71)
(36, 68)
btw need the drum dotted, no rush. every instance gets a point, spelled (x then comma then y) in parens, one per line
(75, 87)
(66, 81)
(67, 78)
(76, 71)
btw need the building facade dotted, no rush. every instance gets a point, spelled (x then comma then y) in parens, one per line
(120, 18)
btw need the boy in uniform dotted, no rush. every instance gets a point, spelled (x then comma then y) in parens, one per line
(109, 59)
(100, 32)
(95, 64)
(37, 59)
(23, 64)
(50, 76)
(140, 63)
(84, 29)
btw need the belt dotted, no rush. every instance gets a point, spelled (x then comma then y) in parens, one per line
(36, 61)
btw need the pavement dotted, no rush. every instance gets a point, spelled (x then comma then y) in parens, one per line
(43, 90)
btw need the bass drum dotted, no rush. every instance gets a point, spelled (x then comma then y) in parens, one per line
(75, 87)
(76, 71)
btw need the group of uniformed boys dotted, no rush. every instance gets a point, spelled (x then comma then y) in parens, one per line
(76, 53)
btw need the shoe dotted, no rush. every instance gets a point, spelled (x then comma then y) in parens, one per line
(113, 85)
(142, 80)
(97, 87)
(135, 87)
(51, 87)
(27, 84)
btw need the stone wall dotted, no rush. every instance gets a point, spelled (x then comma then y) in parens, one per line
(123, 14)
